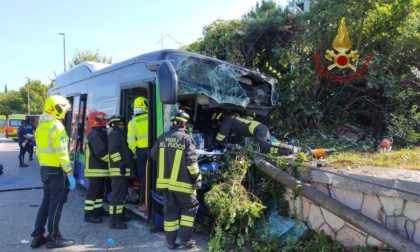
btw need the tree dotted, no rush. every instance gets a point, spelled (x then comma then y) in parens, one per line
(282, 44)
(17, 101)
(88, 55)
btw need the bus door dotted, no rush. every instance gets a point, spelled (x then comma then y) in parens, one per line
(77, 126)
(126, 109)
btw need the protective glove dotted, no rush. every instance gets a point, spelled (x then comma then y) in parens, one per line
(122, 169)
(197, 184)
(72, 181)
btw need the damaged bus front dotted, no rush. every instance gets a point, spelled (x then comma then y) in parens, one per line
(207, 85)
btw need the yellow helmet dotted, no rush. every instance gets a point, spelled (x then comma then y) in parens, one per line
(141, 103)
(57, 106)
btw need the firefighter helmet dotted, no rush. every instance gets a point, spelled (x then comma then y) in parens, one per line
(115, 120)
(141, 104)
(187, 109)
(181, 117)
(56, 106)
(97, 119)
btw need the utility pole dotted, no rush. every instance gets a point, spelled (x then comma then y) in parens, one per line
(64, 48)
(27, 85)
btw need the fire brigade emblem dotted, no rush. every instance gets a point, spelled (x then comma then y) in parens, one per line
(342, 45)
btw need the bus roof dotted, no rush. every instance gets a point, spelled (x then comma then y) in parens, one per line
(86, 68)
(222, 81)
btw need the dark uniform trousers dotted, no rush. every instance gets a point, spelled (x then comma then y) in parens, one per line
(94, 196)
(141, 154)
(56, 190)
(119, 186)
(262, 136)
(179, 205)
(22, 151)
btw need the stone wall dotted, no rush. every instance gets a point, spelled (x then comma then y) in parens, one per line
(396, 209)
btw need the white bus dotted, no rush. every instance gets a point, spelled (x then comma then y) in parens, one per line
(169, 79)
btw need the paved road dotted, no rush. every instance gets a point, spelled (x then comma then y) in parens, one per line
(20, 196)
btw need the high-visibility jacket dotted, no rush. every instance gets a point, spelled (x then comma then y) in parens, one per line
(137, 132)
(96, 162)
(52, 145)
(119, 153)
(243, 127)
(174, 152)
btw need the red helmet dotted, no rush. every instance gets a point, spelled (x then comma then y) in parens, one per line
(97, 119)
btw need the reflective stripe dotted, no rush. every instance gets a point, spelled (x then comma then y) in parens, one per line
(171, 226)
(252, 126)
(89, 205)
(96, 173)
(115, 172)
(162, 182)
(175, 166)
(220, 137)
(118, 208)
(115, 157)
(186, 221)
(181, 187)
(193, 169)
(99, 203)
(105, 158)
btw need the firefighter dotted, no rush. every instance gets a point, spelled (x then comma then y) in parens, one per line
(96, 167)
(178, 178)
(137, 138)
(56, 173)
(250, 128)
(30, 129)
(23, 140)
(120, 165)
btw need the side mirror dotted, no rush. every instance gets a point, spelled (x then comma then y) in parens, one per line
(167, 80)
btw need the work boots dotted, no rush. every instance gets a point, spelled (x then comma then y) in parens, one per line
(115, 222)
(92, 218)
(100, 212)
(59, 242)
(38, 241)
(21, 163)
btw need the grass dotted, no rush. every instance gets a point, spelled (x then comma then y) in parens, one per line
(408, 158)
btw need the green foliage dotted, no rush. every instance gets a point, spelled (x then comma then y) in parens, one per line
(312, 242)
(405, 127)
(14, 102)
(277, 42)
(88, 55)
(237, 211)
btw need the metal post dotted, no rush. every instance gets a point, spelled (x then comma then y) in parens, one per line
(64, 48)
(27, 84)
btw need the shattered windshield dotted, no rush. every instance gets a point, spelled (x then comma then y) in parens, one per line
(223, 82)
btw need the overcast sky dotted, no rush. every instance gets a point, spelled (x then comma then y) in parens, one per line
(30, 45)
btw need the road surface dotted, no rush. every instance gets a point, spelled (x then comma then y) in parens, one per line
(21, 194)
